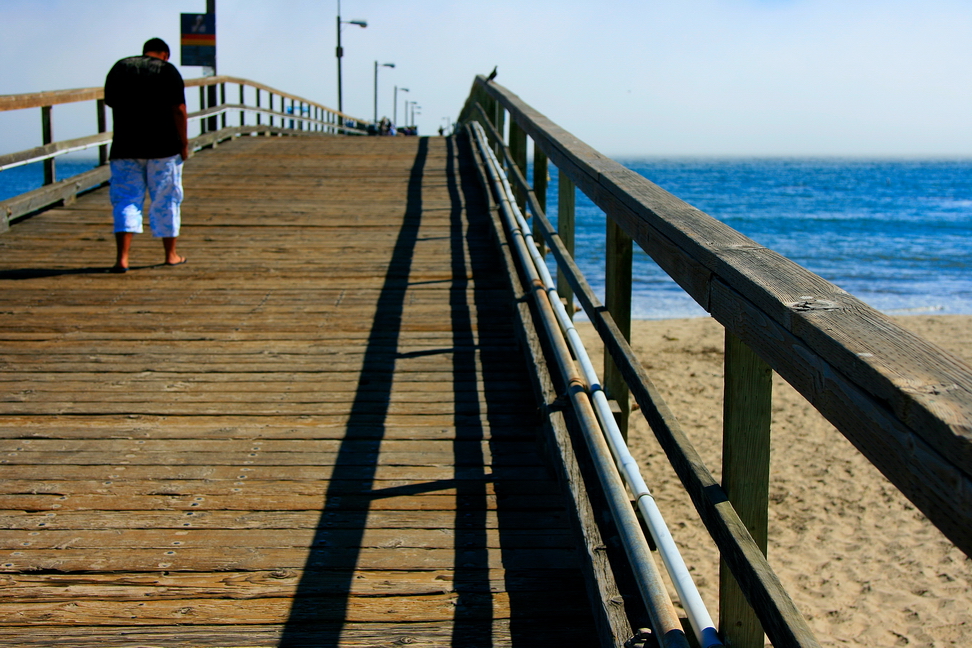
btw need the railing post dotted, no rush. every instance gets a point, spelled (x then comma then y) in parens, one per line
(517, 146)
(270, 107)
(47, 135)
(499, 122)
(102, 127)
(202, 106)
(222, 102)
(540, 189)
(747, 413)
(242, 103)
(213, 124)
(617, 298)
(565, 228)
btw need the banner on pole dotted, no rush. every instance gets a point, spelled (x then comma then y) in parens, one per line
(199, 39)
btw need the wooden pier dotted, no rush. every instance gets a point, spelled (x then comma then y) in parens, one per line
(319, 431)
(360, 415)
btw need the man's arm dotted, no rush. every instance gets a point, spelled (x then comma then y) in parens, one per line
(181, 118)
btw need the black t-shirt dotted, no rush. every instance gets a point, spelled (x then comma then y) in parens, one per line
(142, 91)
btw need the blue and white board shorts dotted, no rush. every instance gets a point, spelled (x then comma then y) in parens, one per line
(162, 178)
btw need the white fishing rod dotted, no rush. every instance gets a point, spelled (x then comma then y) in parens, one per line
(688, 593)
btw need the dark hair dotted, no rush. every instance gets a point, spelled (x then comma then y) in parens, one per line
(155, 45)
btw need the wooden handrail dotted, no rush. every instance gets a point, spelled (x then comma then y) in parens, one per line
(215, 80)
(903, 402)
(66, 190)
(783, 622)
(319, 119)
(50, 98)
(52, 149)
(55, 97)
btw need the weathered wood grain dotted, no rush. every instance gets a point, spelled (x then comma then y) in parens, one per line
(348, 635)
(318, 427)
(274, 519)
(280, 583)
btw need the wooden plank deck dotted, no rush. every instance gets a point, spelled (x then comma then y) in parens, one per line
(317, 432)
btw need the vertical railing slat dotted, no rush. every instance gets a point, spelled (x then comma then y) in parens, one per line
(617, 298)
(517, 146)
(540, 189)
(566, 196)
(747, 413)
(212, 101)
(102, 127)
(202, 106)
(499, 121)
(47, 135)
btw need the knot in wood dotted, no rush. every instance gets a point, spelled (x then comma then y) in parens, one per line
(807, 303)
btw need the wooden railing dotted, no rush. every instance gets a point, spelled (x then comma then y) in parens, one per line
(903, 402)
(218, 120)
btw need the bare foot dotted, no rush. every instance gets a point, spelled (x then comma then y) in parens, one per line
(179, 260)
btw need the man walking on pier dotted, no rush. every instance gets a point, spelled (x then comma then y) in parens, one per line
(147, 98)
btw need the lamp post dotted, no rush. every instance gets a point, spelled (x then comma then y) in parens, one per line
(340, 50)
(391, 65)
(395, 109)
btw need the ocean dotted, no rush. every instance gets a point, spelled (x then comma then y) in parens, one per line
(24, 178)
(895, 233)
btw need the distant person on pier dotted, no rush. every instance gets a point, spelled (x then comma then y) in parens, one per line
(147, 97)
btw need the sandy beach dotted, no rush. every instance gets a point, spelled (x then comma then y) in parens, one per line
(863, 565)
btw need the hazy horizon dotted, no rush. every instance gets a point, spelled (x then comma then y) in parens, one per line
(703, 78)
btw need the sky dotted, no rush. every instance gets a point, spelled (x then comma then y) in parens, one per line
(867, 78)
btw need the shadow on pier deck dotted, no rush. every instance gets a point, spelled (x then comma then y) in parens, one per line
(317, 432)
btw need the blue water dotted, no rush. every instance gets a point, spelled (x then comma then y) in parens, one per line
(897, 234)
(24, 178)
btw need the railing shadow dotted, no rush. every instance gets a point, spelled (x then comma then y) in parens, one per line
(482, 329)
(473, 622)
(20, 274)
(481, 335)
(322, 598)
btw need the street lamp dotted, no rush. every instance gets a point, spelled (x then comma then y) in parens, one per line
(340, 50)
(395, 109)
(391, 65)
